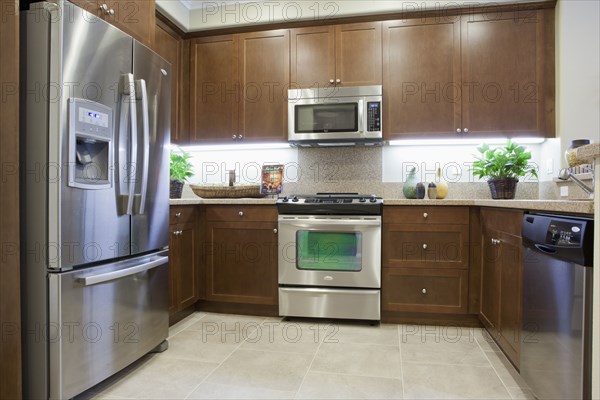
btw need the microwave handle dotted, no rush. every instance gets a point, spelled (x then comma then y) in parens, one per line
(361, 116)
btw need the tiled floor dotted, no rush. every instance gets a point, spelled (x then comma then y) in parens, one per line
(215, 356)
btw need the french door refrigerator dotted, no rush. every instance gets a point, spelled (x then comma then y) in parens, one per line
(94, 205)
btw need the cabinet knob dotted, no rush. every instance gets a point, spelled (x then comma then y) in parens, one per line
(338, 81)
(241, 213)
(178, 214)
(111, 12)
(331, 81)
(177, 233)
(275, 230)
(234, 137)
(458, 130)
(424, 246)
(466, 130)
(240, 137)
(104, 8)
(425, 215)
(496, 242)
(424, 291)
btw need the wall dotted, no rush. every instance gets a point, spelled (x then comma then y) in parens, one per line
(368, 170)
(578, 71)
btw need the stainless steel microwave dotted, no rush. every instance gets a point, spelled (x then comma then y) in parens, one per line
(335, 116)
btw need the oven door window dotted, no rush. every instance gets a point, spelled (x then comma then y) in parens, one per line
(323, 118)
(329, 251)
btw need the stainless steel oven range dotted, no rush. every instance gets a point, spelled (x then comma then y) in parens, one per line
(330, 256)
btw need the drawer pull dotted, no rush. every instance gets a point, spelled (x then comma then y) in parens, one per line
(496, 242)
(425, 246)
(177, 233)
(275, 230)
(424, 291)
(425, 215)
(241, 213)
(178, 215)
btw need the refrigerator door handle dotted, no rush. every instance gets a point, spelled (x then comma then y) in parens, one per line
(127, 88)
(142, 94)
(111, 276)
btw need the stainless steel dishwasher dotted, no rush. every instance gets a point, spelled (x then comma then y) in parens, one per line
(556, 319)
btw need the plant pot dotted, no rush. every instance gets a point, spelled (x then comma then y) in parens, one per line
(503, 188)
(175, 189)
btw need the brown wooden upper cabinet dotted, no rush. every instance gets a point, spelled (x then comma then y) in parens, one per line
(239, 87)
(340, 55)
(135, 17)
(170, 46)
(470, 75)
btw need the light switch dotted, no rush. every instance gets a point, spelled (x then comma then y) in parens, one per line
(564, 191)
(550, 166)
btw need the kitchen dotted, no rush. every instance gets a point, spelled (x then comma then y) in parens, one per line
(377, 171)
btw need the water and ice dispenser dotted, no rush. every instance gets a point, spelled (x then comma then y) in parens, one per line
(91, 138)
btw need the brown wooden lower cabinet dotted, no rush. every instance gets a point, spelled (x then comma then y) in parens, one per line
(501, 278)
(184, 257)
(425, 290)
(241, 254)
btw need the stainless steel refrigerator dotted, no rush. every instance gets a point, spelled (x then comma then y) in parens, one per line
(94, 207)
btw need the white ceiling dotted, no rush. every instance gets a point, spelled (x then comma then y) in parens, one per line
(200, 15)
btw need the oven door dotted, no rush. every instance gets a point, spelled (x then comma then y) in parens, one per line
(340, 251)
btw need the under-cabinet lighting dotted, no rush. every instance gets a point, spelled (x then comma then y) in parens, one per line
(231, 147)
(458, 142)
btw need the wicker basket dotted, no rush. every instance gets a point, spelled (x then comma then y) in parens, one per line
(503, 188)
(233, 192)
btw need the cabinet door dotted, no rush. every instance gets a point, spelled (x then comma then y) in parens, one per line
(136, 17)
(490, 283)
(358, 54)
(214, 93)
(503, 64)
(169, 46)
(510, 295)
(265, 76)
(174, 267)
(312, 57)
(187, 268)
(242, 262)
(424, 245)
(421, 76)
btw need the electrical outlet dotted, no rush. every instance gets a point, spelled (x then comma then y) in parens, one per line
(550, 166)
(564, 191)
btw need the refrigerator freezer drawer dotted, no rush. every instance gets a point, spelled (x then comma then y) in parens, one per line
(330, 303)
(103, 319)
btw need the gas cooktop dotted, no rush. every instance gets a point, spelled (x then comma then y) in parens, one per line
(331, 204)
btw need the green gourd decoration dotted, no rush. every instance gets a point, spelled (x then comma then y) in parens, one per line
(410, 185)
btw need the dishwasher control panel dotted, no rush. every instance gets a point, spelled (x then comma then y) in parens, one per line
(564, 233)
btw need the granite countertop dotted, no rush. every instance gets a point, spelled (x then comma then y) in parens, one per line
(564, 206)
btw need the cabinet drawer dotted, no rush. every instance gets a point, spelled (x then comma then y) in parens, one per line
(241, 213)
(429, 246)
(182, 215)
(425, 215)
(425, 290)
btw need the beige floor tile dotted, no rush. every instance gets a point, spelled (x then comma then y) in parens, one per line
(224, 323)
(358, 359)
(185, 323)
(292, 337)
(505, 370)
(444, 350)
(263, 369)
(485, 340)
(438, 381)
(159, 377)
(430, 333)
(318, 385)
(209, 390)
(383, 334)
(518, 393)
(201, 346)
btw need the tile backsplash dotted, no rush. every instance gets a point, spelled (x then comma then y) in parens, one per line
(379, 170)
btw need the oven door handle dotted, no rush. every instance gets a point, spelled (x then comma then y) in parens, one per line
(329, 223)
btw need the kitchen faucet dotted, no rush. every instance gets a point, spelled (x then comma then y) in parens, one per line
(565, 174)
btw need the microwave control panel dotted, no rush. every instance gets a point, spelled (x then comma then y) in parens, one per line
(373, 116)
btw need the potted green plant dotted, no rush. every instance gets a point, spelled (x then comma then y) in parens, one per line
(503, 167)
(180, 170)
